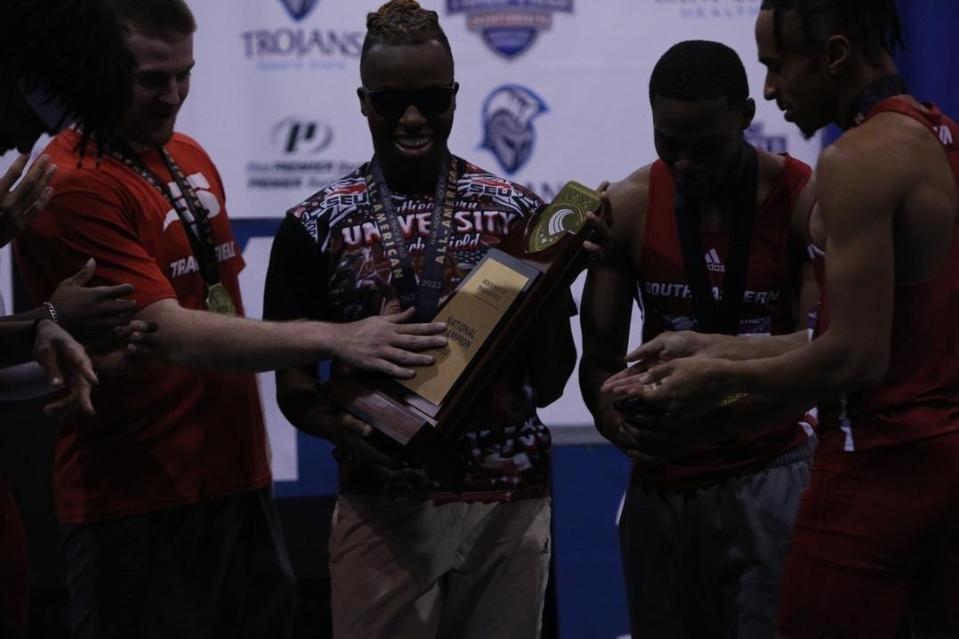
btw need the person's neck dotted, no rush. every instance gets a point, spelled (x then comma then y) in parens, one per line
(850, 91)
(415, 179)
(132, 143)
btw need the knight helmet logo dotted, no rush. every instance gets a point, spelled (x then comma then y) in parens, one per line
(299, 9)
(508, 115)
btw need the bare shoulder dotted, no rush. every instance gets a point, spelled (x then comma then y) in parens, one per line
(628, 196)
(888, 151)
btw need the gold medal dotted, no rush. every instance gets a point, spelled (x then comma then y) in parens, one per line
(219, 301)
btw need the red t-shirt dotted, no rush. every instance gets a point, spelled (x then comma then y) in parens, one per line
(919, 396)
(161, 436)
(772, 278)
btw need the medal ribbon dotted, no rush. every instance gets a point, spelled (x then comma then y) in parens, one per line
(425, 297)
(723, 316)
(201, 241)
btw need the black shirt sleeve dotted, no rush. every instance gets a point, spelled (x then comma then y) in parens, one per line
(296, 278)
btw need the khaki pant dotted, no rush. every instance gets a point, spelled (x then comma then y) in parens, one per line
(406, 568)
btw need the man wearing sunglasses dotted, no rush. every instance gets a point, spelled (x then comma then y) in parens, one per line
(408, 556)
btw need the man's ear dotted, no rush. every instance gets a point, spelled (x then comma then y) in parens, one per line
(361, 94)
(838, 52)
(749, 112)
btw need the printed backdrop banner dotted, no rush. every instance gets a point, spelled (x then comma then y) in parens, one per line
(550, 90)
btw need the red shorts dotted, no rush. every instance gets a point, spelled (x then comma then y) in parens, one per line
(876, 542)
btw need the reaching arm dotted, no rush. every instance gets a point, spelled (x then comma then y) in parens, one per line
(607, 305)
(208, 340)
(860, 186)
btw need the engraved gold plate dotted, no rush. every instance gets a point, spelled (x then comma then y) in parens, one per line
(471, 315)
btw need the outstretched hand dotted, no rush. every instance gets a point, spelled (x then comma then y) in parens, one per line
(129, 346)
(66, 364)
(668, 346)
(92, 312)
(18, 206)
(687, 387)
(386, 344)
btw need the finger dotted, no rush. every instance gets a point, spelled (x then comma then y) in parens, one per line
(136, 328)
(427, 328)
(15, 171)
(83, 276)
(46, 357)
(355, 426)
(60, 408)
(402, 317)
(407, 358)
(389, 368)
(104, 322)
(624, 375)
(599, 224)
(595, 250)
(76, 358)
(114, 307)
(649, 350)
(31, 213)
(113, 292)
(419, 342)
(33, 184)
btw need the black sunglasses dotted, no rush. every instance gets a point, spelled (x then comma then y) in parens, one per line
(430, 101)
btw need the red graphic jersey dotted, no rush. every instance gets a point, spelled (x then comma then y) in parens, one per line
(161, 436)
(919, 396)
(772, 279)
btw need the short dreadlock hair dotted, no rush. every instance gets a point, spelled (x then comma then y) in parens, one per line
(697, 70)
(874, 23)
(73, 49)
(402, 22)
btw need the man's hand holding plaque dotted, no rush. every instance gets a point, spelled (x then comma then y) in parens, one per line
(485, 316)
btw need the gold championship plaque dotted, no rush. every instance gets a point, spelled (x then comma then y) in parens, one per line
(485, 317)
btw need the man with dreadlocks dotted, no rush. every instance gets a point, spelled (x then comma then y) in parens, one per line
(63, 61)
(710, 239)
(164, 494)
(410, 557)
(877, 534)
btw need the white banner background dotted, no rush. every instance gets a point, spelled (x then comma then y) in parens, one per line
(273, 101)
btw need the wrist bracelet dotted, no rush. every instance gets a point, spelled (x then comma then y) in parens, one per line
(51, 312)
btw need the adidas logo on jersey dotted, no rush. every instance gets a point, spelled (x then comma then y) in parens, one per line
(713, 263)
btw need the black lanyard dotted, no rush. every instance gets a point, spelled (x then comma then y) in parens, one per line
(201, 241)
(424, 297)
(722, 316)
(877, 91)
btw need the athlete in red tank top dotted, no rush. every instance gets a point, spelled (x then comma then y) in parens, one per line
(708, 238)
(876, 540)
